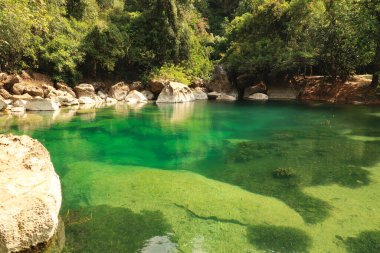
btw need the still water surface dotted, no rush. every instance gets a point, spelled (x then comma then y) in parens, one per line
(215, 177)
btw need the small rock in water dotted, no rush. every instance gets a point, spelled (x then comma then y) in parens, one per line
(258, 97)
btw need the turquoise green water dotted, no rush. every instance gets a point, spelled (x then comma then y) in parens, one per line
(215, 177)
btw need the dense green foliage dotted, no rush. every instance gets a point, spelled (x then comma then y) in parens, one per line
(128, 39)
(274, 36)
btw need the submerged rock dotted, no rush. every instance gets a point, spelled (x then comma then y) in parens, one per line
(40, 104)
(175, 93)
(30, 194)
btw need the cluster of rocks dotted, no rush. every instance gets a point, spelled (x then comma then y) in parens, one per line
(221, 88)
(18, 94)
(21, 92)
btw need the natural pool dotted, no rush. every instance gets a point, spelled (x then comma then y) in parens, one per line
(215, 177)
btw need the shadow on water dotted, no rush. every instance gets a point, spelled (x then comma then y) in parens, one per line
(278, 239)
(115, 229)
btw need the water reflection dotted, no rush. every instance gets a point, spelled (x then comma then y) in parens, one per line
(176, 113)
(33, 120)
(123, 109)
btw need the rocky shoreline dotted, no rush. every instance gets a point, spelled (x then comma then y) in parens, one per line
(36, 92)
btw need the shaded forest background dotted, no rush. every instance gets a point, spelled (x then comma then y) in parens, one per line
(183, 39)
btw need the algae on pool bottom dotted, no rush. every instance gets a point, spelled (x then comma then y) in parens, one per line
(209, 177)
(224, 216)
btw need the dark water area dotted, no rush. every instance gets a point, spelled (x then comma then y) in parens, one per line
(215, 177)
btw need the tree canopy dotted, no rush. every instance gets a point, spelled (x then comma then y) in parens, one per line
(134, 38)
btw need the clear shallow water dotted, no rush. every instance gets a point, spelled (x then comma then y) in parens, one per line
(215, 177)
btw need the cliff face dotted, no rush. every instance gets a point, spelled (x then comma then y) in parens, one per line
(30, 194)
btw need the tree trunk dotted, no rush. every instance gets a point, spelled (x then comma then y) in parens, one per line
(376, 71)
(94, 68)
(375, 81)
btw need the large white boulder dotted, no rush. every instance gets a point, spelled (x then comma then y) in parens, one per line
(135, 97)
(175, 93)
(30, 194)
(40, 104)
